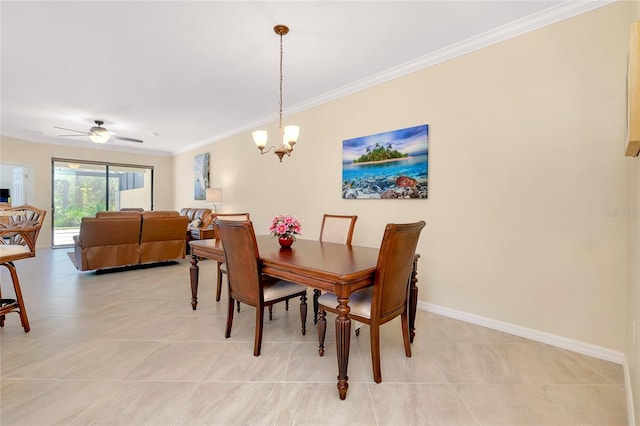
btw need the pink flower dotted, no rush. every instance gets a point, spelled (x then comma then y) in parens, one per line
(285, 226)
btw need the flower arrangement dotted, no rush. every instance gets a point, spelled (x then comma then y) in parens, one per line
(285, 226)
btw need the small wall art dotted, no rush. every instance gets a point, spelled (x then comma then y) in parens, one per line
(201, 176)
(389, 165)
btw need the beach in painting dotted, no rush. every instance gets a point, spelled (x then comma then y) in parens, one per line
(368, 173)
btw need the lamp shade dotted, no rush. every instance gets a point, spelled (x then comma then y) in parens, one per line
(291, 133)
(214, 195)
(260, 138)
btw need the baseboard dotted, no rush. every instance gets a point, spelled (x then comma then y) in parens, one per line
(631, 417)
(539, 336)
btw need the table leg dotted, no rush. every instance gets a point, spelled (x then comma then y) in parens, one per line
(413, 299)
(193, 274)
(343, 341)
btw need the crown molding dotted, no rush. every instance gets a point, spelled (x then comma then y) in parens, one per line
(533, 22)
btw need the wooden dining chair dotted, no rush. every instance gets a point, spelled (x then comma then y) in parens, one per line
(334, 229)
(221, 267)
(387, 298)
(19, 230)
(246, 282)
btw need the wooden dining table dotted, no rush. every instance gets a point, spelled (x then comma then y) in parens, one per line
(339, 268)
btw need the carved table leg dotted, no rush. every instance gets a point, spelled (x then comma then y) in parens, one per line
(343, 341)
(193, 273)
(316, 294)
(413, 298)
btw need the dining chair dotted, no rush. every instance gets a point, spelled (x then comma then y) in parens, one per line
(334, 229)
(246, 282)
(19, 229)
(387, 298)
(221, 268)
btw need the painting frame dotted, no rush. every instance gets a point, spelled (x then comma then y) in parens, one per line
(387, 165)
(201, 176)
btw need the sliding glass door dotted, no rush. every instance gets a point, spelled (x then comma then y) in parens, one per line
(82, 188)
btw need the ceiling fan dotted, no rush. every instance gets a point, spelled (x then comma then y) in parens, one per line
(99, 134)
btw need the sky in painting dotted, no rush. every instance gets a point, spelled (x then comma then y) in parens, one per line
(412, 141)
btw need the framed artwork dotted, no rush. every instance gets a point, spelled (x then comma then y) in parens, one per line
(388, 165)
(201, 176)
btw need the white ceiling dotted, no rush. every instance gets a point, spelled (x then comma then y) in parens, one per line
(184, 74)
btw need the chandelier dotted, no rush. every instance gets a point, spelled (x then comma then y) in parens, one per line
(288, 134)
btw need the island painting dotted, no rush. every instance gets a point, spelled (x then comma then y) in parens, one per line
(386, 165)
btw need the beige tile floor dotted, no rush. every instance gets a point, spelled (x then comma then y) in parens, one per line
(126, 349)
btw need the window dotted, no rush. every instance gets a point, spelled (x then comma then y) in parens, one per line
(83, 188)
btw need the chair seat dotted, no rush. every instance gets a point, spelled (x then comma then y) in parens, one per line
(10, 252)
(359, 302)
(281, 289)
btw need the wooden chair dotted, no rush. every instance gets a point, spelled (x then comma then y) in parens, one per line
(221, 269)
(19, 229)
(387, 298)
(246, 282)
(334, 229)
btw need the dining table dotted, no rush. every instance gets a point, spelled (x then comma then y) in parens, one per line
(338, 268)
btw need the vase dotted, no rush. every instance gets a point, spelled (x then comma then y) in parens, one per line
(285, 242)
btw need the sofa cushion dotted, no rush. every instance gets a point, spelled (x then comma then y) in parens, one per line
(163, 238)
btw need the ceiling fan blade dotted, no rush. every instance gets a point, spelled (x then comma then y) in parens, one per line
(71, 130)
(126, 139)
(75, 135)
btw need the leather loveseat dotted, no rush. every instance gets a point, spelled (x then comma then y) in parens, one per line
(124, 238)
(200, 220)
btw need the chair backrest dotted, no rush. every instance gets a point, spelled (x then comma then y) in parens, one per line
(233, 216)
(242, 260)
(238, 217)
(393, 271)
(21, 226)
(337, 228)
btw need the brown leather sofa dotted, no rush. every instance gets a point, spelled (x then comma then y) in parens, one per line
(123, 238)
(199, 219)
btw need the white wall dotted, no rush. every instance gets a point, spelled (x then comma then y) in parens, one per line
(526, 168)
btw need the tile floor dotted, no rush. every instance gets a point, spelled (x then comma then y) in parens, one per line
(126, 349)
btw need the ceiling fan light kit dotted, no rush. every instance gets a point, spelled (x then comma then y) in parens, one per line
(99, 134)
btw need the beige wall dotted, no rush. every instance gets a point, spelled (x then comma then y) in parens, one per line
(38, 156)
(632, 343)
(527, 175)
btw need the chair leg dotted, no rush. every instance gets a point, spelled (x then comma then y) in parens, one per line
(270, 312)
(229, 318)
(374, 330)
(286, 305)
(257, 344)
(303, 313)
(24, 320)
(219, 282)
(404, 318)
(316, 294)
(238, 306)
(322, 330)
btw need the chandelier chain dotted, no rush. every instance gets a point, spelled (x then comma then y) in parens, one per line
(280, 112)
